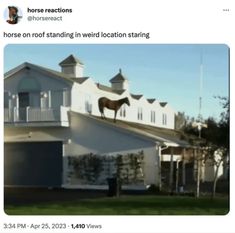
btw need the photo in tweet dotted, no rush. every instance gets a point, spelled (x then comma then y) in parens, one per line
(116, 129)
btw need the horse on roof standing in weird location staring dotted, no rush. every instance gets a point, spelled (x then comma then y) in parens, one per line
(115, 105)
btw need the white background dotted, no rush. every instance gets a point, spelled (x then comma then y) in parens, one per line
(168, 22)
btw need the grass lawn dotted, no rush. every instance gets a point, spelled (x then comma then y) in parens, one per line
(126, 205)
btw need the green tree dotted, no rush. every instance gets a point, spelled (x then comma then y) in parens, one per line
(217, 137)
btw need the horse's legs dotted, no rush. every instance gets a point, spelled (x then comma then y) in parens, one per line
(115, 114)
(102, 114)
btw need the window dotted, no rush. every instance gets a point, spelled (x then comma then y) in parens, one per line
(123, 111)
(29, 84)
(153, 117)
(57, 99)
(66, 97)
(164, 119)
(88, 104)
(34, 99)
(140, 114)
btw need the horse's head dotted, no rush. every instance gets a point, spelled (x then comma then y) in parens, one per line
(12, 11)
(127, 101)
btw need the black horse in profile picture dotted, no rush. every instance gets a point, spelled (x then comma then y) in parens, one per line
(13, 15)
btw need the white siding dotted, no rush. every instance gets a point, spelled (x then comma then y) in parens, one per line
(83, 98)
(47, 87)
(78, 71)
(88, 135)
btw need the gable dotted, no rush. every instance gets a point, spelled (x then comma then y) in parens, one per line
(31, 79)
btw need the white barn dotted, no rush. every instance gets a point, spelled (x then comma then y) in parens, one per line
(51, 117)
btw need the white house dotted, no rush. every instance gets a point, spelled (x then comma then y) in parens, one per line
(52, 118)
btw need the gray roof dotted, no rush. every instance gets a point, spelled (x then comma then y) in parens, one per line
(80, 80)
(70, 60)
(137, 97)
(163, 104)
(151, 100)
(49, 72)
(118, 77)
(109, 89)
(162, 135)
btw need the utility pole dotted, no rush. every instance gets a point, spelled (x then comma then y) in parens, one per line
(200, 97)
(199, 124)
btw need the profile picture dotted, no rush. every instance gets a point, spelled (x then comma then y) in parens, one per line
(12, 15)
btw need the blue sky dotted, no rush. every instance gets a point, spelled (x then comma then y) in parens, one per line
(166, 72)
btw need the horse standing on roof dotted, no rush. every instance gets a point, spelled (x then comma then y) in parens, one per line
(115, 105)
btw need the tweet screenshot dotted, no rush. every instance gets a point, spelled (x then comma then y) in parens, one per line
(116, 116)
